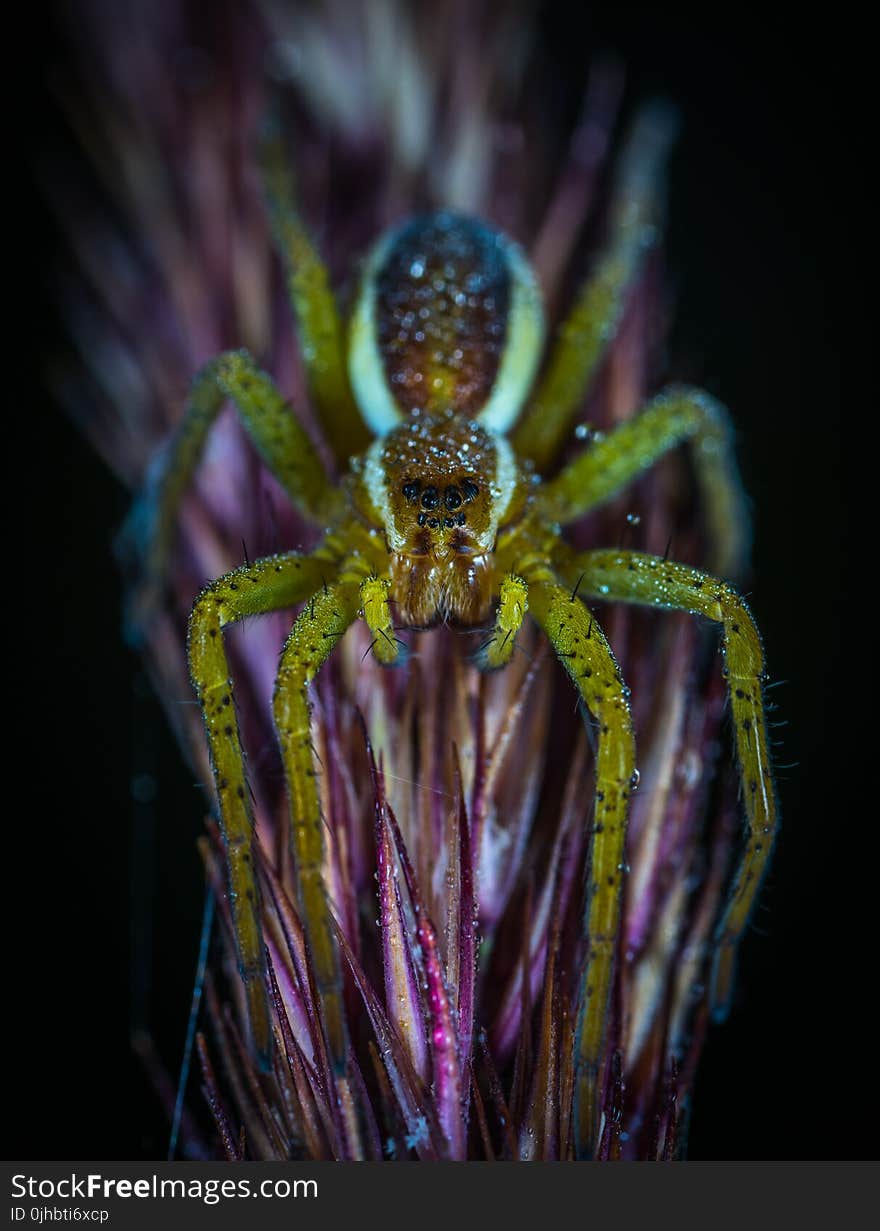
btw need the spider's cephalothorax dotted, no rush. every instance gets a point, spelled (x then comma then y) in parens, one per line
(440, 487)
(441, 517)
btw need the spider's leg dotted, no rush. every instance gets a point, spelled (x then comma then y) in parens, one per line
(589, 329)
(581, 646)
(512, 608)
(270, 423)
(321, 334)
(265, 585)
(319, 627)
(678, 414)
(636, 578)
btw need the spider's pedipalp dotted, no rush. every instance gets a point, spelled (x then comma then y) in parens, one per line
(637, 578)
(512, 608)
(386, 648)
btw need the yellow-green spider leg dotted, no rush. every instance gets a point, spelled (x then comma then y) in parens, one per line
(590, 327)
(584, 651)
(320, 329)
(610, 462)
(632, 577)
(322, 623)
(266, 585)
(385, 647)
(512, 607)
(269, 421)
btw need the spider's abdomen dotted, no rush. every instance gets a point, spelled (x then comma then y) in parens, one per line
(449, 319)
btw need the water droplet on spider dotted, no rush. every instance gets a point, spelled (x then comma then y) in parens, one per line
(633, 519)
(582, 431)
(635, 780)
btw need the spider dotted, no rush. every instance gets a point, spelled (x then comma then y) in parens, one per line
(442, 516)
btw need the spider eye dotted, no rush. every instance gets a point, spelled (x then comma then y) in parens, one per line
(430, 498)
(411, 491)
(469, 489)
(452, 498)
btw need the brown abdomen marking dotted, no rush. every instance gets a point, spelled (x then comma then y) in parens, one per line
(442, 304)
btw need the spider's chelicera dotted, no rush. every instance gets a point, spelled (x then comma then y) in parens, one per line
(443, 517)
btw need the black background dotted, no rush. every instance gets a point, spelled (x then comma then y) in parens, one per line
(767, 258)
